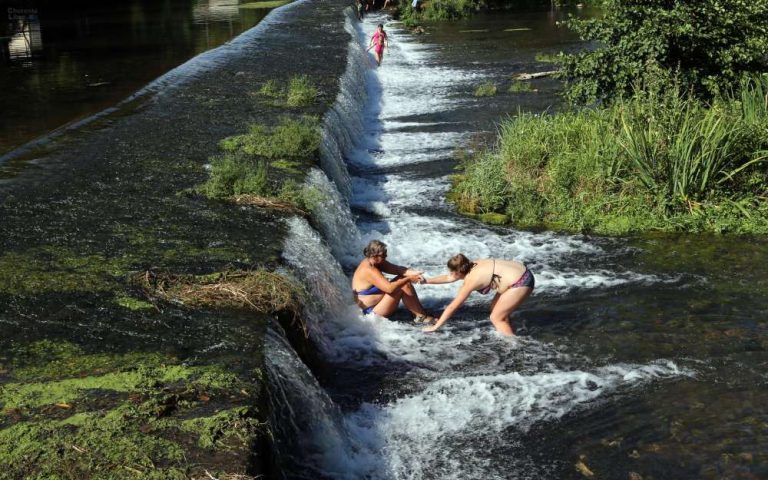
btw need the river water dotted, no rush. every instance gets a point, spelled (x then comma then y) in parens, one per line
(635, 357)
(64, 61)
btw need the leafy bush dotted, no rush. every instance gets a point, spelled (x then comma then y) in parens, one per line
(707, 44)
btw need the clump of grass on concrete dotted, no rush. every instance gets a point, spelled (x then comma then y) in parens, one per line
(486, 89)
(519, 87)
(271, 89)
(290, 139)
(301, 92)
(255, 166)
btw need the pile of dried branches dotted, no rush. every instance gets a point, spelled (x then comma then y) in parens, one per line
(258, 290)
(267, 202)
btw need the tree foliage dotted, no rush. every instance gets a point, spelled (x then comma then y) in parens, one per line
(706, 44)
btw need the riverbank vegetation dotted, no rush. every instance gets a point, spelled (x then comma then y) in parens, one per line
(668, 130)
(660, 160)
(436, 10)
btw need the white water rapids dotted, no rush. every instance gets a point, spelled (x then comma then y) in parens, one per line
(455, 395)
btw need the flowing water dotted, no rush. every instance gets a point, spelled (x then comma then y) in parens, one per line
(635, 358)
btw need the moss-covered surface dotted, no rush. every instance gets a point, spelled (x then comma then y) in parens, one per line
(102, 378)
(65, 413)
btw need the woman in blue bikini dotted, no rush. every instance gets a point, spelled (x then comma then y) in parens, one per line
(512, 281)
(375, 293)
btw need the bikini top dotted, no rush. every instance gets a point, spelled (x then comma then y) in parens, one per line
(494, 280)
(372, 290)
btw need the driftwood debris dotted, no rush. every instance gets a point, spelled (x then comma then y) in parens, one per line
(530, 76)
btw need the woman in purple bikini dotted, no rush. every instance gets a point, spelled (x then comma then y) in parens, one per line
(512, 281)
(375, 293)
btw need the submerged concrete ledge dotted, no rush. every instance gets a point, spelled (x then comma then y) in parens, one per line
(97, 376)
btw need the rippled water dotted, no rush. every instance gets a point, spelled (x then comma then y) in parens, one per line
(635, 358)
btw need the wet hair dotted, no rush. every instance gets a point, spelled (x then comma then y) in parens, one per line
(381, 26)
(374, 248)
(461, 264)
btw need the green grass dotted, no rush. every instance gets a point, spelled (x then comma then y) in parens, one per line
(271, 89)
(659, 161)
(518, 86)
(301, 92)
(267, 163)
(486, 89)
(547, 57)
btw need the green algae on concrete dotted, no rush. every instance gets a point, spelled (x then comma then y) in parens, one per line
(132, 303)
(135, 416)
(216, 429)
(52, 269)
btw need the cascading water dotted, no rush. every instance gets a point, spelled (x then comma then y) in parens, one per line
(458, 403)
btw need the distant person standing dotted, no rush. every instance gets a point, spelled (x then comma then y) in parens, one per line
(361, 6)
(379, 40)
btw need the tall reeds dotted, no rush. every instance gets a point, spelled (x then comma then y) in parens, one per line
(630, 166)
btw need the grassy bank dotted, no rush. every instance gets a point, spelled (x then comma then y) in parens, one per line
(658, 161)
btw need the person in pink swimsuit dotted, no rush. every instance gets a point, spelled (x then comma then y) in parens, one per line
(378, 41)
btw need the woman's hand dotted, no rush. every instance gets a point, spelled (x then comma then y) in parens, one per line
(430, 329)
(409, 272)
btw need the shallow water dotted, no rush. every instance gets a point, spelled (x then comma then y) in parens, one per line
(61, 62)
(635, 358)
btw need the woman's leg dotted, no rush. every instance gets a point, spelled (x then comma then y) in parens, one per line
(411, 300)
(506, 303)
(388, 303)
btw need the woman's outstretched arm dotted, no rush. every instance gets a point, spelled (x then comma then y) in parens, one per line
(457, 302)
